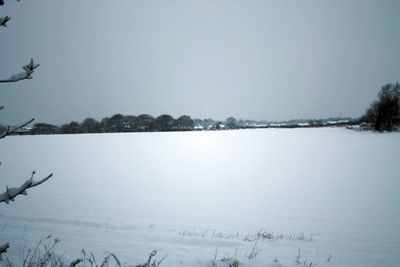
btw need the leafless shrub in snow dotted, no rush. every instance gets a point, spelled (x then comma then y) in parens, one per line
(254, 252)
(226, 261)
(303, 262)
(153, 263)
(88, 259)
(43, 254)
(262, 235)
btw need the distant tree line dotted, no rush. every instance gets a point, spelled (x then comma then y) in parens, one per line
(384, 113)
(164, 123)
(119, 123)
(141, 123)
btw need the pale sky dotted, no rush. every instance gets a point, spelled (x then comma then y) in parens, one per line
(265, 60)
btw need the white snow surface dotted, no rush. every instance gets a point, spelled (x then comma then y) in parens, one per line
(200, 195)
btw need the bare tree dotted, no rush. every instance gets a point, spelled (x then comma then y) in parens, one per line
(384, 113)
(11, 193)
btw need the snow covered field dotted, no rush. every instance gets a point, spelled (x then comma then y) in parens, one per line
(192, 195)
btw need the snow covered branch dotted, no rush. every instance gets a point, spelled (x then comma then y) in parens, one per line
(4, 20)
(13, 129)
(11, 193)
(26, 74)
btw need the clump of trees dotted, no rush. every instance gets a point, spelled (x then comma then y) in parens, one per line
(231, 123)
(384, 113)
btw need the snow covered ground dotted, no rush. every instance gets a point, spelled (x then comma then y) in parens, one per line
(331, 192)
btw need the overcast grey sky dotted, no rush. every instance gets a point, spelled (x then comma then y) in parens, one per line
(268, 60)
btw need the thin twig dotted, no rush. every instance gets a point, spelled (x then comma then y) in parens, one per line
(4, 20)
(14, 129)
(3, 248)
(162, 259)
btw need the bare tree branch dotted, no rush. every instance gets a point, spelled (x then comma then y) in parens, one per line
(14, 129)
(3, 249)
(11, 193)
(2, 2)
(4, 20)
(26, 74)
